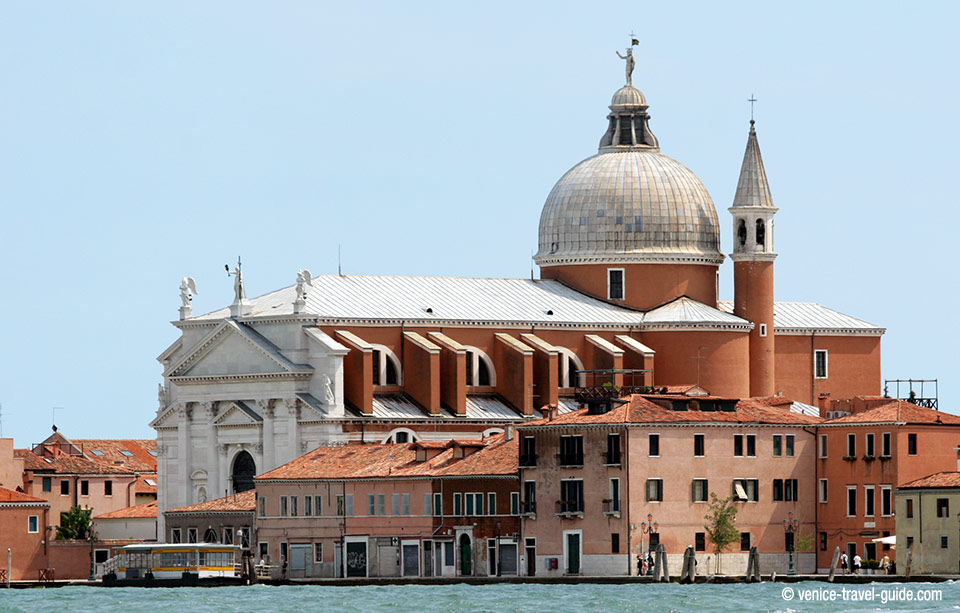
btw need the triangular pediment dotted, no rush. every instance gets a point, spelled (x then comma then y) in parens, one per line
(233, 349)
(237, 414)
(166, 418)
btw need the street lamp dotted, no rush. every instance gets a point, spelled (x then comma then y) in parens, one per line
(499, 557)
(790, 527)
(650, 527)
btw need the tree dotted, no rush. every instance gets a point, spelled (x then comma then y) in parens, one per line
(720, 527)
(75, 524)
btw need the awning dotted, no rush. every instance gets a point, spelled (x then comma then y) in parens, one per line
(741, 493)
(886, 540)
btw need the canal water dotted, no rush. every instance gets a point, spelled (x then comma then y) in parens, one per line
(496, 597)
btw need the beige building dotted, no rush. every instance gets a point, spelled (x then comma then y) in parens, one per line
(928, 522)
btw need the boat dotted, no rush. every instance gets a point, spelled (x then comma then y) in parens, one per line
(173, 564)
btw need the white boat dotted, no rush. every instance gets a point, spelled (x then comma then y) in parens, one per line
(176, 561)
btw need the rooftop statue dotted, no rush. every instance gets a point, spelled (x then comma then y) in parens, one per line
(630, 61)
(304, 279)
(240, 294)
(188, 288)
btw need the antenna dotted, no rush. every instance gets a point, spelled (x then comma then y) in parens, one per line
(53, 417)
(531, 264)
(339, 269)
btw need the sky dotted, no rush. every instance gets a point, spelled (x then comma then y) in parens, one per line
(144, 142)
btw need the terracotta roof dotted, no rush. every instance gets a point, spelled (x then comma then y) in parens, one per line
(145, 487)
(242, 502)
(141, 511)
(466, 442)
(944, 479)
(898, 411)
(7, 496)
(497, 456)
(431, 444)
(644, 410)
(100, 456)
(138, 457)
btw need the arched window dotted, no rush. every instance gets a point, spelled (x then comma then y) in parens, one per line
(386, 366)
(761, 231)
(210, 536)
(401, 435)
(244, 470)
(480, 369)
(742, 233)
(568, 368)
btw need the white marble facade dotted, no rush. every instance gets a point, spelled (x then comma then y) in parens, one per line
(270, 388)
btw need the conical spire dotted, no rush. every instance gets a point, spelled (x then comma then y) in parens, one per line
(753, 189)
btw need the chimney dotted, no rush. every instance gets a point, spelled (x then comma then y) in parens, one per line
(551, 413)
(508, 432)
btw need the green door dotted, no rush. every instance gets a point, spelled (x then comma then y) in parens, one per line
(573, 554)
(466, 556)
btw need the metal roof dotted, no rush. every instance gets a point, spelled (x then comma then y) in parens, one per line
(459, 299)
(810, 316)
(400, 406)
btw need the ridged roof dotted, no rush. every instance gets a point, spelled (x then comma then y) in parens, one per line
(937, 480)
(753, 190)
(241, 502)
(15, 497)
(800, 316)
(146, 510)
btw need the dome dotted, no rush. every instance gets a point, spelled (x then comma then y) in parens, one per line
(630, 206)
(628, 95)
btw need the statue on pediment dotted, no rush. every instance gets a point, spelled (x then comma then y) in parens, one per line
(188, 289)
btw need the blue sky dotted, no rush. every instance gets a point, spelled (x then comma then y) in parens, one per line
(144, 142)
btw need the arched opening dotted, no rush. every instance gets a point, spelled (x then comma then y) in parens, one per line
(480, 369)
(244, 470)
(761, 232)
(386, 366)
(568, 368)
(210, 536)
(466, 555)
(742, 233)
(401, 435)
(201, 494)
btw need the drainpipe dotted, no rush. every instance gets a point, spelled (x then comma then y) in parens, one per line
(813, 368)
(816, 500)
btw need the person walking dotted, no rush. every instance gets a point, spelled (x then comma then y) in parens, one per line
(857, 560)
(843, 562)
(885, 564)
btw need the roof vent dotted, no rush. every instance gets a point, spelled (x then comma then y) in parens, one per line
(429, 309)
(549, 311)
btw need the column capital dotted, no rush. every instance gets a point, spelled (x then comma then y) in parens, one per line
(266, 407)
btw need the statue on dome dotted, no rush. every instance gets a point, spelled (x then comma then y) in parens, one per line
(188, 288)
(240, 294)
(630, 61)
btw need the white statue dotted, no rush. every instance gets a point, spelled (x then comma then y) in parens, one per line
(304, 279)
(328, 396)
(188, 288)
(630, 64)
(162, 394)
(240, 294)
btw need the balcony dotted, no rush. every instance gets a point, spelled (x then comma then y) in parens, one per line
(528, 460)
(611, 507)
(570, 460)
(612, 458)
(570, 508)
(528, 509)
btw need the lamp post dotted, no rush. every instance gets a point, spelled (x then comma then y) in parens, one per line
(499, 557)
(93, 568)
(790, 527)
(650, 527)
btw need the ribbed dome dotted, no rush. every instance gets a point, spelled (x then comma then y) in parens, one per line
(626, 96)
(631, 205)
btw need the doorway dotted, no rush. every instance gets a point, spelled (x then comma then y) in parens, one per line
(244, 470)
(466, 555)
(357, 559)
(531, 547)
(572, 552)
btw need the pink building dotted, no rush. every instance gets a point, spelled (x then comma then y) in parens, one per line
(604, 484)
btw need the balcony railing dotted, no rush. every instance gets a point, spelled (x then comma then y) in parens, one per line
(612, 458)
(611, 507)
(570, 459)
(570, 508)
(528, 460)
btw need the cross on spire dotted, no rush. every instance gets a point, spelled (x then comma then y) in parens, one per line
(751, 100)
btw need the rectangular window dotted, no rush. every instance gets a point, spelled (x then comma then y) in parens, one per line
(908, 503)
(318, 552)
(789, 440)
(344, 505)
(381, 504)
(64, 488)
(823, 490)
(293, 505)
(654, 445)
(943, 508)
(909, 542)
(615, 542)
(571, 451)
(763, 329)
(317, 506)
(614, 495)
(47, 484)
(700, 490)
(851, 445)
(529, 496)
(698, 445)
(428, 504)
(738, 445)
(820, 363)
(84, 488)
(191, 535)
(307, 506)
(912, 444)
(458, 504)
(851, 501)
(745, 490)
(654, 490)
(283, 551)
(886, 500)
(228, 536)
(869, 499)
(284, 509)
(744, 541)
(395, 504)
(438, 504)
(614, 284)
(944, 542)
(470, 509)
(491, 503)
(823, 445)
(571, 496)
(885, 450)
(33, 524)
(778, 490)
(514, 503)
(613, 449)
(790, 490)
(371, 504)
(108, 488)
(777, 445)
(751, 445)
(263, 549)
(700, 541)
(870, 445)
(823, 541)
(175, 535)
(528, 451)
(261, 506)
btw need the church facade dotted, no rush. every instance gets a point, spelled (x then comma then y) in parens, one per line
(629, 251)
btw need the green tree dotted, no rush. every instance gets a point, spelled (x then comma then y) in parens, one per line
(721, 524)
(75, 524)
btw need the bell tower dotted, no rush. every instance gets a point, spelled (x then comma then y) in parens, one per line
(753, 258)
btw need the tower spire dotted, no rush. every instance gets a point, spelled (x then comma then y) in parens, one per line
(753, 190)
